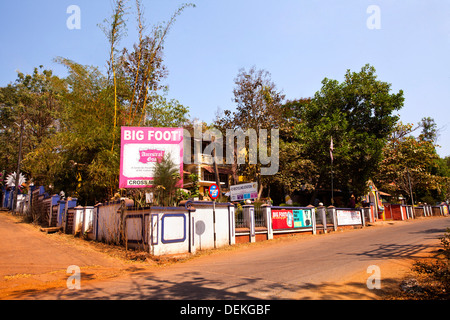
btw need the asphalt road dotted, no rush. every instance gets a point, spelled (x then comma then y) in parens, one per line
(331, 266)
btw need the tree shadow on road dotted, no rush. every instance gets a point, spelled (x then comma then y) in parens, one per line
(393, 251)
(351, 290)
(194, 286)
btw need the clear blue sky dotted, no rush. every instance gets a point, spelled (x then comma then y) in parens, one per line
(299, 42)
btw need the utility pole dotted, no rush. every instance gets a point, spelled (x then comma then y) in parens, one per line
(332, 182)
(410, 191)
(16, 185)
(216, 169)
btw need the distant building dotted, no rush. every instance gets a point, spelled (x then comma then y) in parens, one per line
(204, 169)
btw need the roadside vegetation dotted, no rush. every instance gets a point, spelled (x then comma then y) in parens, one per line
(430, 279)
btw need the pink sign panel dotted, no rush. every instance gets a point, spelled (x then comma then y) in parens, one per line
(141, 148)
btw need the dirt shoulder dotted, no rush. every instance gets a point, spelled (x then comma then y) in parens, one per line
(392, 274)
(31, 260)
(396, 275)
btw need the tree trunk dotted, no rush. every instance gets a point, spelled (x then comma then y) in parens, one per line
(316, 190)
(260, 185)
(234, 166)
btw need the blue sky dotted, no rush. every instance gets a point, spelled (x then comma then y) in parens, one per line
(300, 42)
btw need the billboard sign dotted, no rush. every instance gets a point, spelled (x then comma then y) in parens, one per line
(245, 191)
(348, 217)
(141, 148)
(291, 219)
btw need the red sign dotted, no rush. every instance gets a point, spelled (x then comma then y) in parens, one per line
(291, 218)
(214, 191)
(282, 219)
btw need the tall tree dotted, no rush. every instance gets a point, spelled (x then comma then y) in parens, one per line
(81, 158)
(411, 163)
(429, 129)
(114, 31)
(33, 100)
(258, 106)
(358, 114)
(297, 170)
(143, 68)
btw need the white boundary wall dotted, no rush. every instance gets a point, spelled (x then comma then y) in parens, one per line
(197, 226)
(107, 226)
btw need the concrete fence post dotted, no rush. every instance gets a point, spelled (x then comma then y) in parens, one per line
(363, 218)
(313, 218)
(408, 213)
(267, 214)
(323, 216)
(249, 220)
(441, 210)
(332, 211)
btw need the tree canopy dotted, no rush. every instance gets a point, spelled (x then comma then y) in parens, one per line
(412, 164)
(72, 125)
(258, 106)
(358, 114)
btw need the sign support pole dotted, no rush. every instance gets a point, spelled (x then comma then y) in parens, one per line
(214, 223)
(214, 193)
(332, 184)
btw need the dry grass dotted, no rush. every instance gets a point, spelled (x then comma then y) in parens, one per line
(429, 278)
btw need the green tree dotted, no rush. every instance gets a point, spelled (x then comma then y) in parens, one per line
(258, 106)
(429, 129)
(142, 71)
(411, 163)
(297, 170)
(358, 114)
(33, 100)
(80, 156)
(77, 158)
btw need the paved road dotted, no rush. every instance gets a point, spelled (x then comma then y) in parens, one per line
(324, 266)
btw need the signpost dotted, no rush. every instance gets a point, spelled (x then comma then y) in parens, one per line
(214, 194)
(214, 191)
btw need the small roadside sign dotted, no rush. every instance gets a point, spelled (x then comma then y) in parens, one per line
(244, 191)
(214, 191)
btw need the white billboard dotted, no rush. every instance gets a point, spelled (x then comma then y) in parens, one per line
(245, 191)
